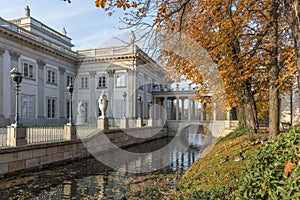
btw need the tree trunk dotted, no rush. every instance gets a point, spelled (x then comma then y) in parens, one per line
(292, 13)
(273, 111)
(247, 115)
(250, 111)
(274, 74)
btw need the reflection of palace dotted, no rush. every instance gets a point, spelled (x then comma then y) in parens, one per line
(48, 64)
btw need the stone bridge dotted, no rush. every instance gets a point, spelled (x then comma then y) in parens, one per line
(217, 128)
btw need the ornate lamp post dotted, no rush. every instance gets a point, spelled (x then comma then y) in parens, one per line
(149, 109)
(124, 96)
(70, 89)
(139, 100)
(17, 79)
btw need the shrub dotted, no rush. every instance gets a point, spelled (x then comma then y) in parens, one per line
(236, 133)
(275, 172)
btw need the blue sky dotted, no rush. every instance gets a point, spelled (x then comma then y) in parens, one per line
(88, 26)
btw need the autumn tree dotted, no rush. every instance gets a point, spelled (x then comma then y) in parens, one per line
(247, 39)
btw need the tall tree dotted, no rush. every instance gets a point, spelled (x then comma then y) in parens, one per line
(243, 37)
(292, 13)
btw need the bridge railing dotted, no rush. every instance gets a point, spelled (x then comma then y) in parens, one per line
(3, 137)
(44, 134)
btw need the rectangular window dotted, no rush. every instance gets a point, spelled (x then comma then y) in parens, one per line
(84, 82)
(102, 82)
(121, 80)
(69, 80)
(51, 107)
(28, 106)
(28, 70)
(51, 76)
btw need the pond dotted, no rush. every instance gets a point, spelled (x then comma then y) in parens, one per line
(89, 179)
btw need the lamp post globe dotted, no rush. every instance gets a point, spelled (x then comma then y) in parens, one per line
(16, 77)
(70, 89)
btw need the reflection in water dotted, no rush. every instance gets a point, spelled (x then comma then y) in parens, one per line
(89, 179)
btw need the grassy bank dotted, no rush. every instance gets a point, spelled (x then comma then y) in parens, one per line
(243, 166)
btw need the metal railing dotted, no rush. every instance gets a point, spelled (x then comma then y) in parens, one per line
(44, 134)
(3, 137)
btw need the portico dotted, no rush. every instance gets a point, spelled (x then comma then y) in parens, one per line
(184, 105)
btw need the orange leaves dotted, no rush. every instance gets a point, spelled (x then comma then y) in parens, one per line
(100, 3)
(288, 168)
(124, 4)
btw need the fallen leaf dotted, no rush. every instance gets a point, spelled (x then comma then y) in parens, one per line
(288, 168)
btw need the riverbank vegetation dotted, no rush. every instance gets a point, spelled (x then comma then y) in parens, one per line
(246, 167)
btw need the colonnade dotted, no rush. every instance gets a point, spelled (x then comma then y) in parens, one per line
(181, 108)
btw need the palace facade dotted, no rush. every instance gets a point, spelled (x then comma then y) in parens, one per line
(48, 64)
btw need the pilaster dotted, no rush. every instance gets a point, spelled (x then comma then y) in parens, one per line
(92, 102)
(2, 119)
(14, 63)
(111, 88)
(41, 94)
(132, 111)
(62, 89)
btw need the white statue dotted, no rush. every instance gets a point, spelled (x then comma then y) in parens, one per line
(80, 108)
(102, 103)
(80, 116)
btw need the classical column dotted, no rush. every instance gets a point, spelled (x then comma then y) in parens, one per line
(2, 119)
(173, 114)
(111, 87)
(214, 111)
(204, 111)
(14, 63)
(177, 108)
(132, 111)
(193, 109)
(182, 108)
(92, 106)
(165, 103)
(160, 111)
(189, 110)
(201, 112)
(169, 106)
(41, 89)
(62, 89)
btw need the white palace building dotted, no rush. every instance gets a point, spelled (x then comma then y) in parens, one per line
(48, 64)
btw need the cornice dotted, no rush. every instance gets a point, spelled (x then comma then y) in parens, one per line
(35, 44)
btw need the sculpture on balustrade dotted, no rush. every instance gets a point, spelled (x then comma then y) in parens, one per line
(103, 103)
(80, 114)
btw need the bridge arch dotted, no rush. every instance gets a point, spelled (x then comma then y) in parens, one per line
(195, 135)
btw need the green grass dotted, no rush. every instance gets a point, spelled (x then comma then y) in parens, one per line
(207, 178)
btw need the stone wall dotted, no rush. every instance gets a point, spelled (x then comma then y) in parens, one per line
(37, 156)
